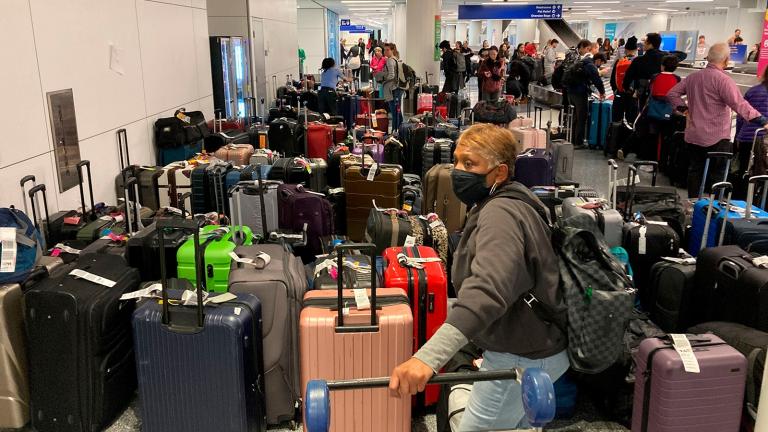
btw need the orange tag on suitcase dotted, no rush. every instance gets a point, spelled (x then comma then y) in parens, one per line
(262, 141)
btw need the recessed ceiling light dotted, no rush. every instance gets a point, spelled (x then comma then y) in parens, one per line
(662, 10)
(368, 8)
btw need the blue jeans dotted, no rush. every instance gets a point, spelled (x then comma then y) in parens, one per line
(498, 405)
(394, 109)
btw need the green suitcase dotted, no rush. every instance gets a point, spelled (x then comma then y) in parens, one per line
(217, 242)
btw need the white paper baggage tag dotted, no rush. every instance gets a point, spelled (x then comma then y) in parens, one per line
(410, 241)
(90, 277)
(328, 263)
(174, 210)
(357, 266)
(223, 298)
(151, 291)
(361, 299)
(641, 242)
(436, 224)
(189, 298)
(335, 190)
(761, 261)
(683, 347)
(372, 172)
(67, 249)
(8, 257)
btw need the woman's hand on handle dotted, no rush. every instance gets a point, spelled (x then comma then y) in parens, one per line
(410, 378)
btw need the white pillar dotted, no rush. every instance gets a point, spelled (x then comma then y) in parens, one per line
(526, 30)
(493, 32)
(397, 32)
(475, 39)
(420, 37)
(461, 31)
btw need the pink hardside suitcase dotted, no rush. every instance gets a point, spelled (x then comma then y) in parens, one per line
(530, 137)
(521, 122)
(238, 154)
(678, 401)
(356, 349)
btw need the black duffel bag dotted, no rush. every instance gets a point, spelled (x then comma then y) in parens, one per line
(500, 113)
(181, 129)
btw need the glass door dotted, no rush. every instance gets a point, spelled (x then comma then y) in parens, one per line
(240, 73)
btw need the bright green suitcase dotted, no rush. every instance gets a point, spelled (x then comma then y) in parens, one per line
(217, 242)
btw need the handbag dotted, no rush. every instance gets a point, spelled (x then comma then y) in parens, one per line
(354, 62)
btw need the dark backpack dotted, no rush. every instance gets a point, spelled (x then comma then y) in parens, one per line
(460, 60)
(575, 74)
(571, 58)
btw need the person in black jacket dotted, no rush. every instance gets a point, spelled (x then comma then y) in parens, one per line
(448, 65)
(578, 80)
(519, 77)
(643, 68)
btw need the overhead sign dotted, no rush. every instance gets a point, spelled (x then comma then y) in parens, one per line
(353, 28)
(345, 22)
(738, 53)
(610, 31)
(511, 11)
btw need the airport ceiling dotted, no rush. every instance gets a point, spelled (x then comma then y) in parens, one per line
(375, 13)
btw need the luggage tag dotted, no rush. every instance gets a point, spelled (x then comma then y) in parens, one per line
(641, 242)
(151, 291)
(189, 298)
(59, 248)
(361, 299)
(72, 220)
(410, 241)
(261, 260)
(372, 172)
(683, 347)
(327, 264)
(357, 265)
(760, 261)
(8, 257)
(90, 277)
(183, 117)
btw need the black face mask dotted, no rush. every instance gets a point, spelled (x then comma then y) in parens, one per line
(469, 187)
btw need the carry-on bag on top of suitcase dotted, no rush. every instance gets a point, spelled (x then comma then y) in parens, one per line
(436, 151)
(370, 340)
(80, 352)
(217, 353)
(14, 391)
(238, 154)
(394, 151)
(750, 233)
(217, 243)
(357, 271)
(287, 136)
(290, 170)
(263, 157)
(281, 284)
(298, 207)
(599, 120)
(534, 167)
(605, 215)
(366, 184)
(699, 221)
(654, 202)
(439, 198)
(671, 396)
(419, 271)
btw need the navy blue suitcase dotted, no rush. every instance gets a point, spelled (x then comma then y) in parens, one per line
(199, 369)
(535, 167)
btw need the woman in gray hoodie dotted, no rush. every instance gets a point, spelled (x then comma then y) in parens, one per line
(503, 264)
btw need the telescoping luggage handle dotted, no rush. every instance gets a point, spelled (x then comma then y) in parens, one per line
(24, 180)
(632, 184)
(87, 165)
(131, 211)
(374, 326)
(613, 179)
(122, 149)
(715, 155)
(751, 193)
(652, 164)
(189, 225)
(32, 192)
(727, 192)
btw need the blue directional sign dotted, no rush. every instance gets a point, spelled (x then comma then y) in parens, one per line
(345, 22)
(353, 28)
(511, 11)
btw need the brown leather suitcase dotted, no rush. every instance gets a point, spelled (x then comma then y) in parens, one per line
(238, 154)
(384, 187)
(349, 160)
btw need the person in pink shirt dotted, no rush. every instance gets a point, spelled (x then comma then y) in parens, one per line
(711, 95)
(378, 61)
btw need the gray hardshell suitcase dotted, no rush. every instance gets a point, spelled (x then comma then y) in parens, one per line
(281, 284)
(246, 196)
(562, 154)
(199, 368)
(609, 220)
(436, 151)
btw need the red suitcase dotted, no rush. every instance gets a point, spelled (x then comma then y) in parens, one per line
(669, 399)
(335, 345)
(319, 140)
(427, 290)
(339, 133)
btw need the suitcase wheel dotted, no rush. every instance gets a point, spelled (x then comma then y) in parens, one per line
(317, 407)
(538, 397)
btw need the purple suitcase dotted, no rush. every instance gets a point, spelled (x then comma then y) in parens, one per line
(535, 167)
(376, 150)
(709, 401)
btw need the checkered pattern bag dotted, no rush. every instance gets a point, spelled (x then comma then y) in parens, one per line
(599, 297)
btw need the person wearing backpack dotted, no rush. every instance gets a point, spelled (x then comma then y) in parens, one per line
(461, 66)
(392, 78)
(578, 79)
(622, 99)
(643, 68)
(506, 273)
(491, 75)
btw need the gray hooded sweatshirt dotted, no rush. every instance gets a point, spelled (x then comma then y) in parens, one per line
(504, 253)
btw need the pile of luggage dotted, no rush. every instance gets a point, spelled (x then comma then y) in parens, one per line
(244, 272)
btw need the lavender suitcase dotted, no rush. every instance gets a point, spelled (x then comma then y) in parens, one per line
(534, 167)
(668, 399)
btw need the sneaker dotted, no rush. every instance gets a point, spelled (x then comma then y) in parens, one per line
(620, 155)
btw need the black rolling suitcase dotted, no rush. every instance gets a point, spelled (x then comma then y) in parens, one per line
(200, 189)
(286, 136)
(654, 202)
(750, 234)
(671, 292)
(80, 350)
(290, 171)
(199, 368)
(144, 251)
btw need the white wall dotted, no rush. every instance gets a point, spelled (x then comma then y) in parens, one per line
(639, 28)
(280, 38)
(61, 45)
(312, 37)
